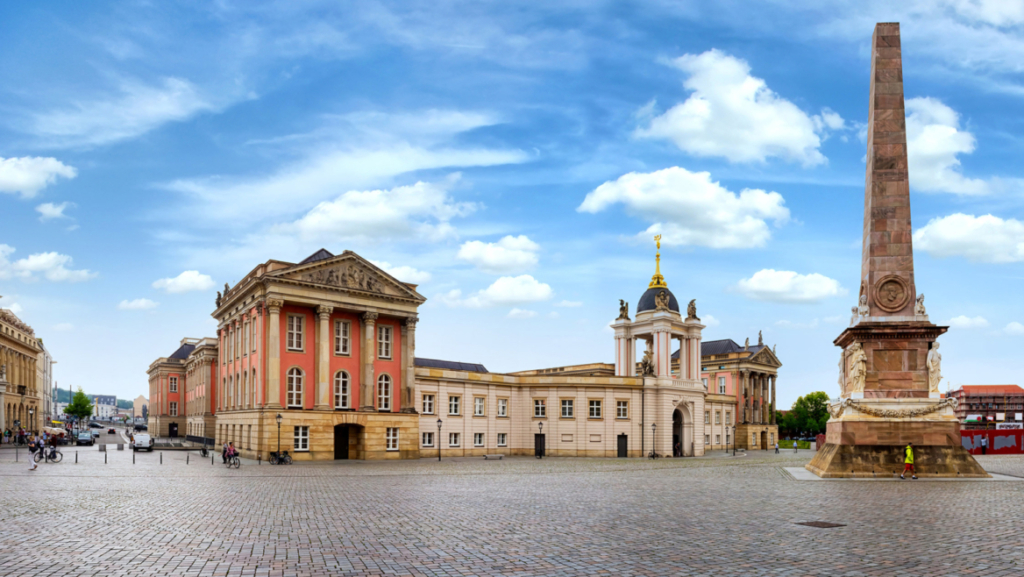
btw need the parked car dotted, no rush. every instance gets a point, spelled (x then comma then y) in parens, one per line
(141, 428)
(143, 442)
(84, 438)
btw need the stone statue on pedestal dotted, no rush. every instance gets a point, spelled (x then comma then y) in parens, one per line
(661, 301)
(919, 307)
(862, 309)
(623, 311)
(842, 373)
(691, 310)
(858, 368)
(934, 364)
(760, 339)
(746, 344)
(647, 364)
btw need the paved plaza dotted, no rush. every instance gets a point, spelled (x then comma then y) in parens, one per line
(712, 516)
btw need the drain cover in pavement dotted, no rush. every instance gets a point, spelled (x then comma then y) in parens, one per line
(821, 524)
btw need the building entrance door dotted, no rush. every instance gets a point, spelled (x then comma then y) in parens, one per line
(341, 441)
(677, 433)
(623, 446)
(172, 430)
(764, 440)
(538, 445)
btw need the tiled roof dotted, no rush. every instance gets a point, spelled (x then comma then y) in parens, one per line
(722, 347)
(992, 390)
(450, 365)
(183, 351)
(321, 254)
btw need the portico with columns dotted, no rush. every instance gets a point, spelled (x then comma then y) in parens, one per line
(744, 377)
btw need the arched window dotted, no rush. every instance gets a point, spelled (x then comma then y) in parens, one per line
(230, 391)
(384, 393)
(295, 388)
(341, 389)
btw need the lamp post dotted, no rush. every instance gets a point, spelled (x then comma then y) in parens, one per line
(734, 440)
(540, 427)
(654, 438)
(31, 421)
(439, 440)
(279, 418)
(766, 438)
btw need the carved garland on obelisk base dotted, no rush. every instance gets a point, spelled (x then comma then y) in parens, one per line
(837, 409)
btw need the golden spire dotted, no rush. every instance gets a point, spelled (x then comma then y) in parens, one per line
(657, 281)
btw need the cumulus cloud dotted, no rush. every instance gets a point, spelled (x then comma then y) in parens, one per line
(137, 109)
(422, 211)
(984, 238)
(966, 322)
(569, 304)
(49, 211)
(787, 324)
(934, 139)
(1014, 328)
(404, 273)
(688, 208)
(521, 314)
(137, 305)
(995, 12)
(190, 280)
(709, 321)
(735, 115)
(49, 265)
(30, 174)
(506, 291)
(789, 287)
(509, 255)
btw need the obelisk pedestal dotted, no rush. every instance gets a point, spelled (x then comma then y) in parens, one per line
(889, 367)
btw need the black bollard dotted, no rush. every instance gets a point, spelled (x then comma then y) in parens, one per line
(186, 458)
(161, 457)
(104, 457)
(259, 459)
(76, 457)
(211, 459)
(133, 457)
(17, 452)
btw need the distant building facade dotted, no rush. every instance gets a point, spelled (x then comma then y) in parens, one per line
(981, 406)
(44, 378)
(21, 397)
(140, 408)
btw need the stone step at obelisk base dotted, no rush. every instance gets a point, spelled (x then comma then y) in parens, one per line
(890, 364)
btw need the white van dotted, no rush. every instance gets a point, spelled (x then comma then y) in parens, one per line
(143, 441)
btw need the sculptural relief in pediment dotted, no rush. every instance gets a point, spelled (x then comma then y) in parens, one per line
(349, 276)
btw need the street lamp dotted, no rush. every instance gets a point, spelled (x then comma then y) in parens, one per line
(279, 418)
(654, 438)
(31, 421)
(439, 440)
(766, 438)
(734, 440)
(540, 427)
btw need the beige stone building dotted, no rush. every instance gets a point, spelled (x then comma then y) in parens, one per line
(140, 407)
(20, 394)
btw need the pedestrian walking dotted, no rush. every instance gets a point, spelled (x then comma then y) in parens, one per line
(984, 445)
(908, 462)
(776, 447)
(224, 453)
(794, 446)
(32, 448)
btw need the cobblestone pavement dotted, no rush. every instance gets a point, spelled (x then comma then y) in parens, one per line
(711, 516)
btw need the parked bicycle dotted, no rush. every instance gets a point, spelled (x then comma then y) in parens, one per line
(283, 459)
(51, 454)
(653, 455)
(203, 452)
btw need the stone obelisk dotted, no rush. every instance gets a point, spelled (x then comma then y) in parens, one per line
(890, 366)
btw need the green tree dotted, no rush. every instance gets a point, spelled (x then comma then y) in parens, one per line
(80, 406)
(810, 413)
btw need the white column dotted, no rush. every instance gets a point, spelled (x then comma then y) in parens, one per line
(408, 399)
(323, 360)
(273, 378)
(367, 400)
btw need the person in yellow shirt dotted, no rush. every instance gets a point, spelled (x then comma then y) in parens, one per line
(908, 462)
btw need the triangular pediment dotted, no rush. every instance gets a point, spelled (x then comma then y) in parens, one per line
(765, 356)
(351, 272)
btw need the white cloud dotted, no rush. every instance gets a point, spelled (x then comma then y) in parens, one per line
(735, 115)
(49, 211)
(687, 208)
(16, 308)
(521, 314)
(786, 324)
(404, 273)
(984, 238)
(709, 321)
(995, 12)
(137, 305)
(30, 174)
(965, 322)
(934, 139)
(421, 211)
(63, 327)
(138, 109)
(190, 280)
(569, 304)
(509, 255)
(506, 291)
(1014, 328)
(50, 265)
(789, 287)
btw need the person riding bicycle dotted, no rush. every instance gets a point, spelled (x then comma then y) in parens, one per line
(230, 452)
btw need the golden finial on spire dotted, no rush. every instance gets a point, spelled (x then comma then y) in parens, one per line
(657, 281)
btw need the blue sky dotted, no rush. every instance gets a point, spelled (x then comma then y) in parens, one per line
(513, 158)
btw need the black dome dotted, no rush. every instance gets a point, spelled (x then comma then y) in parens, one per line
(647, 301)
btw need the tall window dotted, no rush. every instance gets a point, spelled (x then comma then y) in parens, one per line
(478, 439)
(502, 439)
(341, 393)
(595, 409)
(622, 409)
(707, 439)
(453, 404)
(294, 340)
(566, 408)
(301, 438)
(294, 397)
(245, 388)
(453, 439)
(707, 417)
(174, 384)
(342, 337)
(478, 406)
(384, 393)
(392, 439)
(721, 385)
(252, 327)
(728, 418)
(502, 407)
(252, 389)
(428, 404)
(231, 390)
(539, 409)
(718, 439)
(174, 409)
(718, 418)
(705, 383)
(231, 344)
(383, 342)
(428, 439)
(245, 333)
